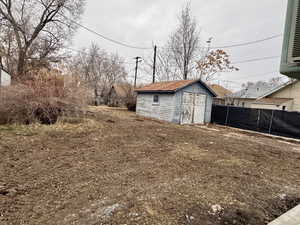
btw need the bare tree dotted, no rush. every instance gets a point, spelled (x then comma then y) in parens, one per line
(100, 70)
(184, 43)
(166, 69)
(38, 29)
(183, 57)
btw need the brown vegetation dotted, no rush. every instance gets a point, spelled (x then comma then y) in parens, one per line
(43, 98)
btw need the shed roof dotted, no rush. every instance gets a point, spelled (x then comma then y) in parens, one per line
(172, 86)
(272, 101)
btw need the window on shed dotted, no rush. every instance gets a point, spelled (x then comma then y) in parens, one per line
(155, 99)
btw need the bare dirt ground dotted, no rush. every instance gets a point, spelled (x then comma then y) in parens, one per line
(116, 168)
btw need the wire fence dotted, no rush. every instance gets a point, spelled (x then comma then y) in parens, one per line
(274, 122)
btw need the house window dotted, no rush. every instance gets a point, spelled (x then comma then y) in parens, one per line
(284, 108)
(156, 99)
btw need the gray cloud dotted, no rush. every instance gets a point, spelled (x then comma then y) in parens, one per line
(143, 22)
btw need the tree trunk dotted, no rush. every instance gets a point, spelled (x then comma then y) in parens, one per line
(21, 66)
(96, 96)
(185, 70)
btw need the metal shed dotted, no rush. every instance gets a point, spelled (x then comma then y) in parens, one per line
(182, 102)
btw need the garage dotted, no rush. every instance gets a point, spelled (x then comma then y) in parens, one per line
(181, 102)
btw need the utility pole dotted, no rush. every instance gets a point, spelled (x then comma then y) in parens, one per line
(137, 61)
(154, 63)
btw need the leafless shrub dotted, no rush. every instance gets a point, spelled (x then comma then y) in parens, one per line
(131, 101)
(43, 98)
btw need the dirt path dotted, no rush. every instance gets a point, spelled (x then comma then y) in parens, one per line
(116, 168)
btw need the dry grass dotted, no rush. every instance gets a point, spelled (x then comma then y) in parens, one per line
(43, 98)
(115, 168)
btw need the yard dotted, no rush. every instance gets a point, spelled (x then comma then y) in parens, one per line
(116, 168)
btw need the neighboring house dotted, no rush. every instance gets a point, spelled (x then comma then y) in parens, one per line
(245, 97)
(5, 78)
(118, 94)
(284, 97)
(182, 102)
(221, 93)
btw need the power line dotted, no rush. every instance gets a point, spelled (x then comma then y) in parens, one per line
(84, 53)
(250, 42)
(104, 37)
(256, 60)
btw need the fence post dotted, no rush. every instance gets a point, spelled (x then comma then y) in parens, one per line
(227, 115)
(271, 122)
(258, 119)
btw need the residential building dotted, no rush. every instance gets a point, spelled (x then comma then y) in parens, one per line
(221, 93)
(248, 95)
(118, 94)
(284, 97)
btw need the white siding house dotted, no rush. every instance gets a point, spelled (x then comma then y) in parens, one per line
(248, 95)
(5, 79)
(182, 102)
(284, 97)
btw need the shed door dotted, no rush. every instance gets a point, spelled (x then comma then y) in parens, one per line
(199, 108)
(187, 108)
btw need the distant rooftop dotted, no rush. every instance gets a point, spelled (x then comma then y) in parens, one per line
(253, 91)
(220, 91)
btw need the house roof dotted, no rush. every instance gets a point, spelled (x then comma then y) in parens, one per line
(253, 91)
(122, 89)
(272, 101)
(220, 91)
(278, 88)
(171, 86)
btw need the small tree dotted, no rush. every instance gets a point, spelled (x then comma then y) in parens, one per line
(179, 58)
(184, 43)
(214, 62)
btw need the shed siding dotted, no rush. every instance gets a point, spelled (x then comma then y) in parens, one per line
(162, 111)
(195, 88)
(5, 78)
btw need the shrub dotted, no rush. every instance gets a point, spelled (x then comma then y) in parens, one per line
(131, 106)
(130, 100)
(43, 98)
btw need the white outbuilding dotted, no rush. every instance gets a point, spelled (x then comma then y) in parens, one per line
(181, 102)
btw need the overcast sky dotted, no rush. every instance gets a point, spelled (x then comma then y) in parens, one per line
(143, 22)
